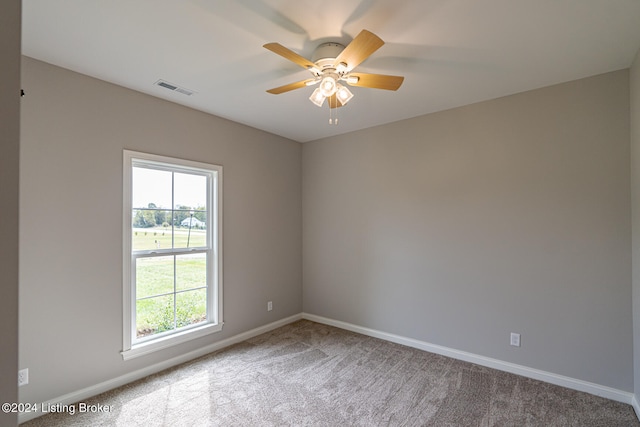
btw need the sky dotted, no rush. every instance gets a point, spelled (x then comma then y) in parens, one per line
(154, 186)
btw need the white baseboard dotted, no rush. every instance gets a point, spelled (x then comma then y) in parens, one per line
(636, 406)
(561, 380)
(85, 393)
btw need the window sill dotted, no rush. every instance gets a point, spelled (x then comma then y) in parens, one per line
(152, 346)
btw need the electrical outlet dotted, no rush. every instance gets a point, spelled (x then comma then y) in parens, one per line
(515, 339)
(269, 306)
(23, 377)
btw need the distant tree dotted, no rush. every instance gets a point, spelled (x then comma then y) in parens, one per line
(162, 217)
(144, 219)
(138, 220)
(150, 218)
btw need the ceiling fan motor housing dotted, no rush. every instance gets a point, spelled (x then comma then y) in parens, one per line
(325, 55)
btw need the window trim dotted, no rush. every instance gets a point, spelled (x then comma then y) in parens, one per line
(214, 312)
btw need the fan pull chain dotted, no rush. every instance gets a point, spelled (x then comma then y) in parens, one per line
(331, 120)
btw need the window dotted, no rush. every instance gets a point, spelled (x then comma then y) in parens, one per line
(172, 281)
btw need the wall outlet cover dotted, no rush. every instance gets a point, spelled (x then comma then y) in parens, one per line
(515, 339)
(23, 377)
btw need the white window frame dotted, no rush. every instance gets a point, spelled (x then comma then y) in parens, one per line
(134, 348)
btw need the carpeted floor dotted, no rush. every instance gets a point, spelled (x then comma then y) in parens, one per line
(316, 375)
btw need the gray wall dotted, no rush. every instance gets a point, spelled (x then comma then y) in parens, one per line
(635, 202)
(459, 227)
(74, 129)
(9, 160)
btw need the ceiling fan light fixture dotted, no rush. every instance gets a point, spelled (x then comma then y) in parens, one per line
(328, 86)
(317, 97)
(343, 94)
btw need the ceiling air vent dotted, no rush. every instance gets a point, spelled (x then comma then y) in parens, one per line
(174, 88)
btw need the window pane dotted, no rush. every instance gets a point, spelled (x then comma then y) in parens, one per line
(151, 188)
(151, 229)
(154, 276)
(190, 231)
(154, 315)
(191, 271)
(191, 307)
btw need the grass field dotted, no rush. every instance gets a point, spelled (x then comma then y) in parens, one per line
(160, 238)
(155, 278)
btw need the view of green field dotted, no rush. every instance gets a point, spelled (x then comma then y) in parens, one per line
(160, 238)
(156, 277)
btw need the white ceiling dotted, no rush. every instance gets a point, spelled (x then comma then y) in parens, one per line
(451, 52)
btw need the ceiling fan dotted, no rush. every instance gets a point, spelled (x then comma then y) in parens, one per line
(332, 63)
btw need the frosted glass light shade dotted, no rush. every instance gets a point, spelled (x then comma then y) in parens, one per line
(328, 86)
(343, 94)
(317, 97)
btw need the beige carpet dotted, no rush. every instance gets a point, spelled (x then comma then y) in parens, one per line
(316, 375)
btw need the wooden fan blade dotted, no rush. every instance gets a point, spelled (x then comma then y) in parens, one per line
(290, 55)
(333, 102)
(377, 81)
(290, 86)
(359, 49)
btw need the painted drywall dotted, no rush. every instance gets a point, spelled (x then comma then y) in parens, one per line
(74, 129)
(459, 227)
(634, 82)
(10, 19)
